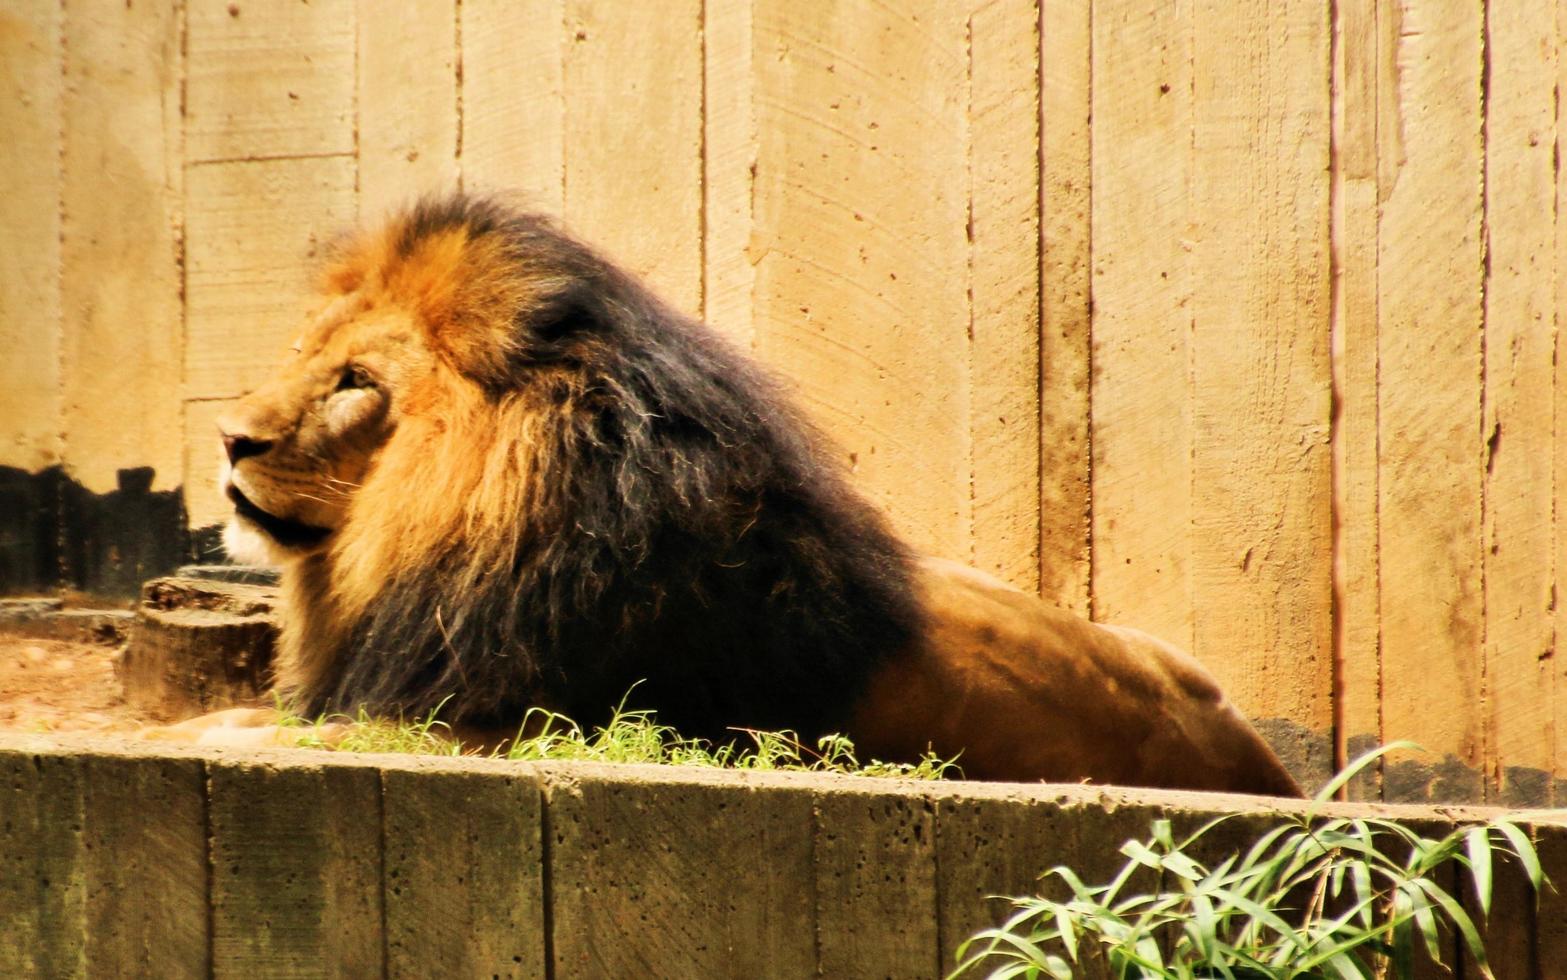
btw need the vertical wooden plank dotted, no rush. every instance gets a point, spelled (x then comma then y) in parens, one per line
(270, 78)
(875, 869)
(1520, 345)
(1004, 288)
(1429, 301)
(861, 246)
(1262, 381)
(729, 148)
(664, 872)
(408, 103)
(1142, 425)
(513, 102)
(30, 96)
(296, 870)
(1065, 481)
(120, 244)
(1559, 418)
(42, 891)
(464, 870)
(205, 504)
(255, 227)
(144, 857)
(633, 138)
(1358, 709)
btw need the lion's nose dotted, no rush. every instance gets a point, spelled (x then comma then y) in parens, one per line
(238, 447)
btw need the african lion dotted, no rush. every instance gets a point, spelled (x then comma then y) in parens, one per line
(498, 472)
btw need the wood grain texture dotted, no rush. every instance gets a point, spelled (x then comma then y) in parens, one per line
(31, 87)
(633, 138)
(1065, 142)
(876, 885)
(1003, 117)
(1520, 344)
(1558, 665)
(408, 103)
(270, 78)
(513, 99)
(1262, 384)
(120, 245)
(1142, 408)
(42, 892)
(205, 504)
(1357, 642)
(144, 862)
(1430, 263)
(463, 879)
(861, 246)
(729, 156)
(679, 880)
(296, 890)
(255, 229)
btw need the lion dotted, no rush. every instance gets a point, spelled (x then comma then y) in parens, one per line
(498, 472)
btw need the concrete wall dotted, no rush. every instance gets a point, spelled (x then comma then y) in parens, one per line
(116, 860)
(1234, 322)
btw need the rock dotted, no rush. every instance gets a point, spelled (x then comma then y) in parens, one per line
(199, 645)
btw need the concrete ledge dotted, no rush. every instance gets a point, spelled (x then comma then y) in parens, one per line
(121, 858)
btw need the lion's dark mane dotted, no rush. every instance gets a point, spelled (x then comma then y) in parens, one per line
(691, 535)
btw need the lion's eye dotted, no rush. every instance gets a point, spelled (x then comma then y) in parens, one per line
(355, 376)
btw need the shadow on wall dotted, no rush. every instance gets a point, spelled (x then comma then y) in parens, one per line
(55, 533)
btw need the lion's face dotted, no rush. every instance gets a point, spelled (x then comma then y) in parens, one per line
(300, 446)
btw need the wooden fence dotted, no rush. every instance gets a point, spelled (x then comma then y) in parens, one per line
(1233, 321)
(305, 863)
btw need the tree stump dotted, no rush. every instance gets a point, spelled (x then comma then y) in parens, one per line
(199, 645)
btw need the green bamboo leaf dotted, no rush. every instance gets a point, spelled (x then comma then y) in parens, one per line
(1523, 848)
(1477, 842)
(1066, 930)
(1459, 918)
(1139, 852)
(1425, 920)
(1354, 769)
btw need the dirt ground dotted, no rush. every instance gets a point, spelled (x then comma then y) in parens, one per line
(61, 686)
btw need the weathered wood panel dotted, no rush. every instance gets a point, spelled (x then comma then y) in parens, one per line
(1261, 379)
(409, 110)
(1003, 113)
(270, 78)
(513, 101)
(255, 228)
(633, 138)
(120, 244)
(861, 246)
(1142, 405)
(1520, 343)
(30, 94)
(1065, 141)
(1357, 637)
(729, 152)
(1429, 281)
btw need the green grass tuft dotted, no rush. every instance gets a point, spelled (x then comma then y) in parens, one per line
(630, 736)
(1341, 898)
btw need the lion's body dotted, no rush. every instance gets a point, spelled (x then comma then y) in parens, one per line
(535, 484)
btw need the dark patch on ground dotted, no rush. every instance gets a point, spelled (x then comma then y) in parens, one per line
(1308, 755)
(56, 534)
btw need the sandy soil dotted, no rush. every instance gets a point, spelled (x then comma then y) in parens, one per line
(61, 686)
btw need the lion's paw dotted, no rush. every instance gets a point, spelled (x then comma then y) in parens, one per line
(243, 728)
